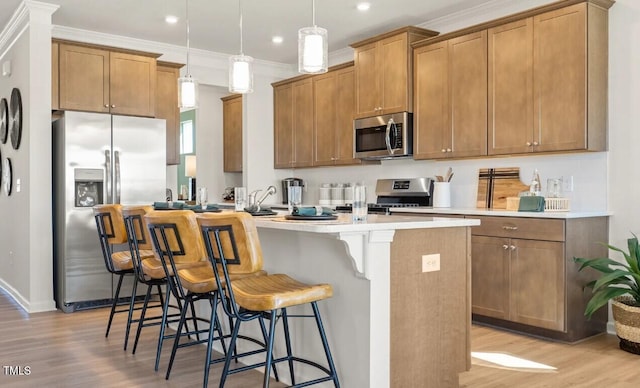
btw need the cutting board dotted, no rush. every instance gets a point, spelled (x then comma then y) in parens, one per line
(495, 185)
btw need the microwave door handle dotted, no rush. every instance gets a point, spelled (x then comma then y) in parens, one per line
(107, 165)
(117, 177)
(387, 137)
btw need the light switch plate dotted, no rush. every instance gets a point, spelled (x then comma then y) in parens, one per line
(431, 263)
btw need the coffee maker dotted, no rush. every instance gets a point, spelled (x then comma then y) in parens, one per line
(286, 183)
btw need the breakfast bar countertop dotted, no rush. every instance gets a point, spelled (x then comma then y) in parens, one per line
(374, 222)
(472, 211)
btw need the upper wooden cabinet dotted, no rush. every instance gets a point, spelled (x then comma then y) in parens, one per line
(334, 107)
(167, 106)
(383, 68)
(450, 81)
(232, 132)
(548, 82)
(293, 123)
(99, 79)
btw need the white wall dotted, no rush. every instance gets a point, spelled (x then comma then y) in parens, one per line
(624, 116)
(26, 253)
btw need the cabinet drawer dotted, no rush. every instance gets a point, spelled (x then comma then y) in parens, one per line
(525, 228)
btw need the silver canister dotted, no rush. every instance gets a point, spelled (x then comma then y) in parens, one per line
(324, 194)
(337, 194)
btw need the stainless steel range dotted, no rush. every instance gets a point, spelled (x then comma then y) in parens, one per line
(413, 192)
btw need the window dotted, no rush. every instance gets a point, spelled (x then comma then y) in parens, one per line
(186, 137)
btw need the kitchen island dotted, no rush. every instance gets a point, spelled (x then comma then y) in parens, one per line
(400, 315)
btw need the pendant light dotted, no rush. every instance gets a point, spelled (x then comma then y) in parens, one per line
(312, 47)
(187, 85)
(240, 67)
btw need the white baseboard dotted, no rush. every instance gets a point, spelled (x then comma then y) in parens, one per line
(24, 303)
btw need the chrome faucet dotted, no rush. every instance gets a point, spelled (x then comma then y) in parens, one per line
(254, 205)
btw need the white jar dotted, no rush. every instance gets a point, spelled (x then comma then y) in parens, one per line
(337, 194)
(348, 194)
(325, 194)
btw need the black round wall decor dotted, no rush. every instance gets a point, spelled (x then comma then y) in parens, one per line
(7, 176)
(4, 121)
(15, 118)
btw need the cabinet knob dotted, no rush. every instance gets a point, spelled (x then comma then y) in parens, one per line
(505, 247)
(509, 227)
(448, 149)
(113, 105)
(444, 150)
(512, 247)
(528, 144)
(535, 143)
(106, 105)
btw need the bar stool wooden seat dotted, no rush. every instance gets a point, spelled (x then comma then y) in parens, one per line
(139, 241)
(111, 232)
(232, 244)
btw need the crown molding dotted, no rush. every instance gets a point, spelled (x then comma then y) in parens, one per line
(480, 13)
(19, 22)
(168, 52)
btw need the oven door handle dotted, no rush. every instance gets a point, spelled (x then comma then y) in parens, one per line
(387, 137)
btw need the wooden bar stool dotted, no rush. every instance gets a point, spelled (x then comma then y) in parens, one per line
(232, 244)
(140, 240)
(111, 232)
(177, 240)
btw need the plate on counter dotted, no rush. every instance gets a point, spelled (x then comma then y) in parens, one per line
(205, 210)
(311, 218)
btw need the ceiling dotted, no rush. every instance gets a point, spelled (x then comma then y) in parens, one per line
(214, 24)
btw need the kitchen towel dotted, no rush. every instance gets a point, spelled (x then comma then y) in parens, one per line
(531, 204)
(165, 206)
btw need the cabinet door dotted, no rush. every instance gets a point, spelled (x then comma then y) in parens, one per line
(84, 78)
(303, 122)
(132, 84)
(490, 276)
(368, 80)
(510, 79)
(167, 108)
(325, 115)
(468, 95)
(345, 111)
(537, 283)
(232, 133)
(283, 126)
(560, 79)
(432, 120)
(394, 70)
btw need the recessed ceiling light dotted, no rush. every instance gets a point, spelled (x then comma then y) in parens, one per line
(277, 39)
(363, 6)
(171, 19)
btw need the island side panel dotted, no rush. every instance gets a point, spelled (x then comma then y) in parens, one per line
(430, 311)
(322, 258)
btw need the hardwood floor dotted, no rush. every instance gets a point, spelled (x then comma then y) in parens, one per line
(69, 350)
(595, 362)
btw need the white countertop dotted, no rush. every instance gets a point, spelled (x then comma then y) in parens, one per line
(374, 222)
(500, 213)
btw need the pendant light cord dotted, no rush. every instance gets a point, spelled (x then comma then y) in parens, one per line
(240, 12)
(188, 46)
(313, 12)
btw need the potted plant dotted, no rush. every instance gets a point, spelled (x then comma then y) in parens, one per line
(620, 283)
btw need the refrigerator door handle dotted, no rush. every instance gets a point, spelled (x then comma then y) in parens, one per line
(116, 157)
(107, 164)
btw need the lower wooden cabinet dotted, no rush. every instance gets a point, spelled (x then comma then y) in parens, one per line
(524, 277)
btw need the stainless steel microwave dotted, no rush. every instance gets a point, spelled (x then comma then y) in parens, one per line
(383, 137)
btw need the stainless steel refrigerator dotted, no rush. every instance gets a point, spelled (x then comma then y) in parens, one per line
(98, 158)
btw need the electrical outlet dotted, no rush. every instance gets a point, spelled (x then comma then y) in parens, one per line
(431, 263)
(18, 188)
(567, 183)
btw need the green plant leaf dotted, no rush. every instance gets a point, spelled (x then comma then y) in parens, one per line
(601, 298)
(634, 250)
(602, 264)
